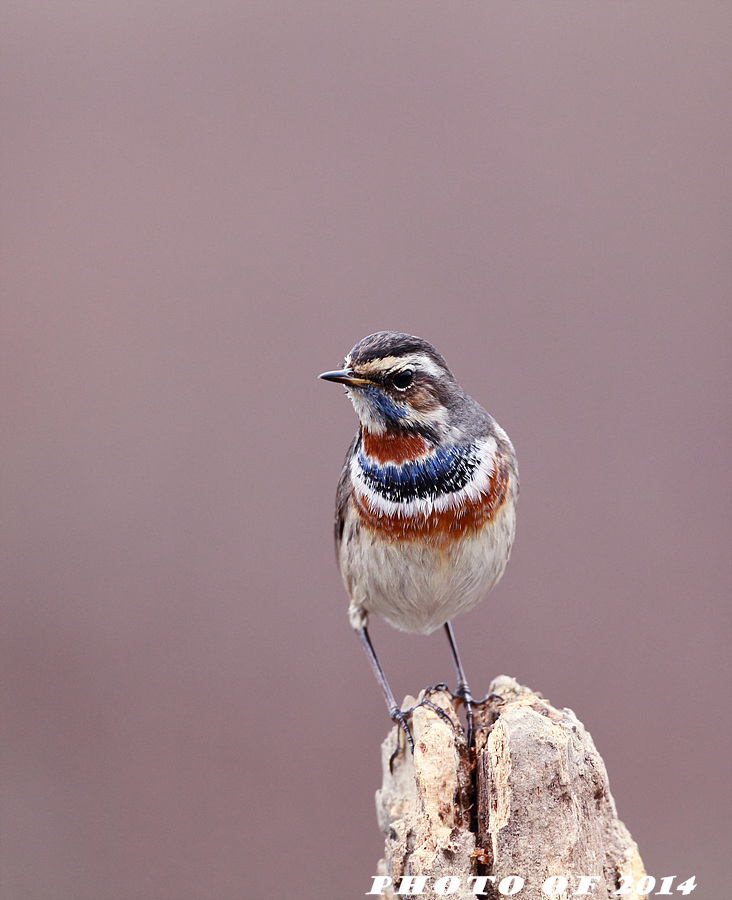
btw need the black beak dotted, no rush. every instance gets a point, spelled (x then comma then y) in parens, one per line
(342, 376)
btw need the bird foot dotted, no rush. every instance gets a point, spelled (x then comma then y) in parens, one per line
(401, 717)
(481, 704)
(488, 699)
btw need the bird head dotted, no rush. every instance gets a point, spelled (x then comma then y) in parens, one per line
(398, 383)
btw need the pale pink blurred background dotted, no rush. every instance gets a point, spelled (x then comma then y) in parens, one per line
(204, 206)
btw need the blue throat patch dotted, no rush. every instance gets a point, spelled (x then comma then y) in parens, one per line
(386, 410)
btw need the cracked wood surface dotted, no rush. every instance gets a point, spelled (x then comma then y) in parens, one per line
(533, 800)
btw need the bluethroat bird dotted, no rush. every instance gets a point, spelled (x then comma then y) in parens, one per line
(426, 502)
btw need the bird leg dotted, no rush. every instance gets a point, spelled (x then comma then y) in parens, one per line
(463, 691)
(397, 714)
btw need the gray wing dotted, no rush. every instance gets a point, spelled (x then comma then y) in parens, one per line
(342, 494)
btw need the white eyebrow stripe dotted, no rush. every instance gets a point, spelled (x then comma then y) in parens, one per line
(423, 362)
(415, 361)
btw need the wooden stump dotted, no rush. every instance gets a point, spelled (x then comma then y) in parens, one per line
(533, 803)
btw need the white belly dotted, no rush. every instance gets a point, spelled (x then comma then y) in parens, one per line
(417, 586)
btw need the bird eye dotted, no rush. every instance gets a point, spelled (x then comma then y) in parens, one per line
(402, 380)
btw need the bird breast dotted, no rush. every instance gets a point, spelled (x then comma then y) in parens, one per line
(444, 491)
(427, 537)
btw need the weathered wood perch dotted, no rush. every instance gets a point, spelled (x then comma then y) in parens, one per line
(534, 803)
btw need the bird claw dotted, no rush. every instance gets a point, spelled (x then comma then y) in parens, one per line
(401, 716)
(466, 698)
(440, 688)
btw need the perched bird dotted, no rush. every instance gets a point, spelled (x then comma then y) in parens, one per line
(426, 501)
